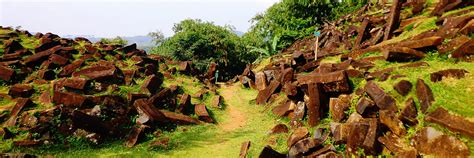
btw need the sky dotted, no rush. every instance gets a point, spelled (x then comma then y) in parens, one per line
(111, 18)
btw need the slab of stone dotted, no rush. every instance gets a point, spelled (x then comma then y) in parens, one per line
(297, 135)
(393, 19)
(454, 123)
(464, 50)
(397, 145)
(409, 113)
(433, 142)
(260, 80)
(402, 54)
(201, 112)
(453, 73)
(389, 119)
(383, 100)
(15, 111)
(314, 103)
(421, 43)
(152, 84)
(148, 113)
(180, 119)
(283, 109)
(363, 104)
(68, 99)
(244, 149)
(21, 90)
(75, 83)
(265, 94)
(6, 73)
(304, 147)
(337, 82)
(424, 94)
(268, 152)
(134, 135)
(403, 87)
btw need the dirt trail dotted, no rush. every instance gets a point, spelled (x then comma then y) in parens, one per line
(237, 118)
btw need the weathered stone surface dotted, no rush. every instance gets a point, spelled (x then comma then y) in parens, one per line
(21, 90)
(39, 57)
(304, 147)
(297, 135)
(244, 149)
(148, 112)
(464, 50)
(290, 89)
(91, 123)
(98, 72)
(414, 65)
(75, 83)
(381, 99)
(357, 133)
(179, 118)
(409, 113)
(361, 32)
(454, 123)
(453, 44)
(421, 43)
(363, 104)
(6, 73)
(185, 104)
(283, 109)
(11, 46)
(398, 146)
(201, 112)
(265, 94)
(389, 119)
(444, 6)
(338, 106)
(260, 81)
(331, 82)
(280, 128)
(161, 97)
(152, 84)
(402, 54)
(299, 111)
(370, 144)
(286, 75)
(433, 142)
(403, 87)
(454, 73)
(131, 97)
(339, 132)
(45, 97)
(314, 103)
(268, 152)
(134, 136)
(15, 111)
(46, 74)
(69, 69)
(57, 59)
(468, 28)
(68, 99)
(27, 143)
(424, 94)
(393, 19)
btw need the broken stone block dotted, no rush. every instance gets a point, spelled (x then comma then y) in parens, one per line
(381, 99)
(403, 87)
(21, 90)
(148, 112)
(6, 73)
(357, 133)
(280, 128)
(134, 136)
(185, 104)
(454, 73)
(20, 104)
(398, 146)
(260, 81)
(201, 112)
(265, 94)
(363, 104)
(46, 74)
(268, 152)
(11, 46)
(98, 72)
(424, 94)
(314, 103)
(283, 109)
(338, 106)
(152, 84)
(180, 119)
(297, 135)
(464, 50)
(454, 123)
(290, 89)
(370, 144)
(299, 111)
(393, 19)
(433, 142)
(244, 149)
(69, 69)
(409, 113)
(401, 54)
(216, 101)
(337, 82)
(57, 59)
(421, 43)
(286, 75)
(304, 146)
(40, 56)
(75, 83)
(91, 124)
(453, 44)
(389, 119)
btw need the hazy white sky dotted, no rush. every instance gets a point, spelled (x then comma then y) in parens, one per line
(109, 18)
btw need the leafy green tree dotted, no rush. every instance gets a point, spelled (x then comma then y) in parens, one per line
(116, 41)
(203, 42)
(158, 37)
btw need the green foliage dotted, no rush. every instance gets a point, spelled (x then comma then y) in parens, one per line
(158, 37)
(116, 41)
(203, 42)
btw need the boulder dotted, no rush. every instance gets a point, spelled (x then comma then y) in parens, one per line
(265, 94)
(433, 142)
(260, 81)
(268, 152)
(454, 123)
(337, 82)
(363, 104)
(6, 73)
(15, 111)
(381, 99)
(286, 75)
(290, 89)
(39, 57)
(21, 90)
(454, 73)
(464, 50)
(148, 112)
(297, 135)
(403, 87)
(398, 146)
(401, 54)
(201, 112)
(68, 99)
(180, 119)
(280, 128)
(393, 20)
(75, 83)
(409, 113)
(314, 103)
(389, 119)
(424, 94)
(152, 84)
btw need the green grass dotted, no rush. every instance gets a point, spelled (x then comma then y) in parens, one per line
(457, 11)
(420, 27)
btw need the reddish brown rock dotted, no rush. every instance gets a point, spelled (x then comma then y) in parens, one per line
(393, 19)
(244, 149)
(454, 73)
(75, 83)
(69, 69)
(468, 28)
(433, 142)
(201, 112)
(91, 124)
(68, 99)
(340, 132)
(134, 136)
(454, 123)
(304, 147)
(15, 111)
(265, 94)
(370, 144)
(424, 94)
(27, 143)
(46, 74)
(453, 44)
(314, 104)
(21, 90)
(444, 6)
(260, 81)
(268, 152)
(421, 43)
(180, 119)
(152, 84)
(403, 87)
(148, 112)
(40, 56)
(280, 128)
(464, 50)
(282, 109)
(361, 32)
(297, 135)
(57, 59)
(331, 82)
(185, 104)
(409, 113)
(45, 97)
(286, 75)
(299, 111)
(6, 73)
(398, 146)
(357, 133)
(290, 89)
(338, 106)
(402, 54)
(414, 65)
(389, 119)
(11, 46)
(98, 72)
(363, 104)
(381, 99)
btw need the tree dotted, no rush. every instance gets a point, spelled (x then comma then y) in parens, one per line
(115, 41)
(202, 43)
(158, 37)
